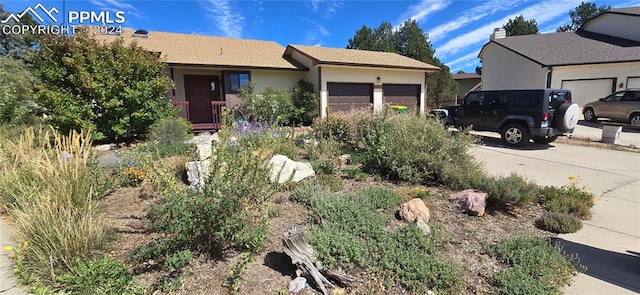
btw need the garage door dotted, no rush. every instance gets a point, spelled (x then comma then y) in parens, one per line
(402, 94)
(633, 82)
(584, 91)
(348, 96)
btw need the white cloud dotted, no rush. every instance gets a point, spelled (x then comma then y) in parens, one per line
(226, 19)
(422, 10)
(476, 13)
(117, 5)
(328, 7)
(465, 58)
(542, 12)
(319, 27)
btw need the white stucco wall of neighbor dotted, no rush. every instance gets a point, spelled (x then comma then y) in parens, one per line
(370, 75)
(504, 69)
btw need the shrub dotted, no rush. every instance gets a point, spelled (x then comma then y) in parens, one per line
(99, 276)
(354, 173)
(351, 231)
(559, 223)
(348, 128)
(513, 190)
(16, 93)
(389, 149)
(309, 193)
(273, 106)
(333, 182)
(380, 198)
(305, 100)
(230, 212)
(168, 131)
(53, 205)
(535, 263)
(569, 199)
(111, 89)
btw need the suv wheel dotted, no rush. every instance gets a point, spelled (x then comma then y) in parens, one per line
(589, 115)
(634, 119)
(566, 117)
(543, 139)
(515, 135)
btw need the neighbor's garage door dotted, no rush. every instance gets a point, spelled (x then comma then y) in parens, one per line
(584, 91)
(402, 94)
(633, 82)
(348, 96)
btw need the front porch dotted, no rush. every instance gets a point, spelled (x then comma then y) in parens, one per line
(206, 122)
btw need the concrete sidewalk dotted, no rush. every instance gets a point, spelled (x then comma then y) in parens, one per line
(8, 282)
(609, 243)
(593, 130)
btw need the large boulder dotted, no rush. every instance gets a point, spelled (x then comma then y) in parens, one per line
(283, 169)
(414, 209)
(204, 146)
(109, 160)
(197, 172)
(472, 202)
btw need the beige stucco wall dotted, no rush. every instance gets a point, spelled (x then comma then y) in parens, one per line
(276, 79)
(370, 75)
(464, 85)
(504, 69)
(312, 74)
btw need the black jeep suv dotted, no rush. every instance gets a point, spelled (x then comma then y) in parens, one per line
(518, 115)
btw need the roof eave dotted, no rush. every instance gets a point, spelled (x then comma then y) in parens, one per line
(235, 66)
(430, 69)
(514, 51)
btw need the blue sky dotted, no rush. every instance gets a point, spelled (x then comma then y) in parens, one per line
(457, 29)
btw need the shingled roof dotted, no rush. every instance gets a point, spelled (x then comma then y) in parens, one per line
(198, 50)
(351, 57)
(570, 48)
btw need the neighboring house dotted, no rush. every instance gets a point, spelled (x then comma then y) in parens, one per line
(467, 82)
(208, 71)
(603, 56)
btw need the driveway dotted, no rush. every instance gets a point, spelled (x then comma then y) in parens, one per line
(609, 243)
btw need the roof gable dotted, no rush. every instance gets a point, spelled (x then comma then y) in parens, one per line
(364, 58)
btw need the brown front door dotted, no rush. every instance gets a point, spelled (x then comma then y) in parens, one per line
(200, 91)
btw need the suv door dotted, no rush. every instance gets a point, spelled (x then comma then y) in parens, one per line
(629, 102)
(471, 111)
(606, 108)
(495, 109)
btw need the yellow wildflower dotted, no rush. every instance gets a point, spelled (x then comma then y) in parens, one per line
(8, 248)
(572, 178)
(25, 244)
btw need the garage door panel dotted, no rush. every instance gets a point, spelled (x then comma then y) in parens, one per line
(633, 82)
(402, 94)
(349, 96)
(585, 91)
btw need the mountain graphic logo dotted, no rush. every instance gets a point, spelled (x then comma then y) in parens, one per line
(34, 12)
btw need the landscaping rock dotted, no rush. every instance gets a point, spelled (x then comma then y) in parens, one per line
(197, 172)
(297, 284)
(105, 147)
(421, 224)
(414, 209)
(472, 202)
(109, 160)
(302, 142)
(345, 159)
(283, 169)
(204, 146)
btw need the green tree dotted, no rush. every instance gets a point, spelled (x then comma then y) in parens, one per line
(411, 41)
(16, 45)
(582, 13)
(305, 101)
(518, 26)
(16, 96)
(112, 89)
